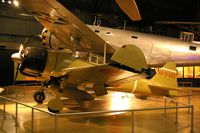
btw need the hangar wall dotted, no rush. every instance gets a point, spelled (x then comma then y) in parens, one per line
(14, 28)
(6, 67)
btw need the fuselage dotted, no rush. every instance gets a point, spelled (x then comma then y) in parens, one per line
(157, 49)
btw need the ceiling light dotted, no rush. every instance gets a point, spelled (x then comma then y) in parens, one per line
(3, 1)
(16, 3)
(9, 2)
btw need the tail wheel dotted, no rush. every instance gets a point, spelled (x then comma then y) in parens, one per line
(39, 96)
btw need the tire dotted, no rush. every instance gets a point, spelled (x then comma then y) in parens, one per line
(39, 96)
(53, 111)
(55, 105)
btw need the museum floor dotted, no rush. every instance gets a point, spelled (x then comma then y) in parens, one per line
(144, 121)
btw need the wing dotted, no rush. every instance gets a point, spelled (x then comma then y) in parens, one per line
(130, 8)
(106, 74)
(66, 27)
(102, 74)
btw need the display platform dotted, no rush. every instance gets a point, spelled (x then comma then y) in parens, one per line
(144, 121)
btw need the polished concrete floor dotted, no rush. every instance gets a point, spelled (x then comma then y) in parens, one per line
(144, 121)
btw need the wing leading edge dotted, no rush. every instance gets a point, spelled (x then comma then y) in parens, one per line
(65, 26)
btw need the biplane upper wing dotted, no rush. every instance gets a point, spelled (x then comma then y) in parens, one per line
(65, 26)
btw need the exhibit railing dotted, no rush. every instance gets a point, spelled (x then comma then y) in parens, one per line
(190, 90)
(178, 105)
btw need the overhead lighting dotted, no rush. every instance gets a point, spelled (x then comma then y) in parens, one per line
(3, 1)
(16, 3)
(9, 2)
(26, 15)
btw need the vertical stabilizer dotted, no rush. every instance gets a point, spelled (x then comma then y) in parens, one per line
(130, 56)
(167, 75)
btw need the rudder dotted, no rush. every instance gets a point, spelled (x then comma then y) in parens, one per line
(167, 75)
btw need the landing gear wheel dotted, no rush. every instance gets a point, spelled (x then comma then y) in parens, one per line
(55, 105)
(39, 96)
(53, 111)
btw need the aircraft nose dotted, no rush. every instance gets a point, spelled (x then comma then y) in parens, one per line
(16, 57)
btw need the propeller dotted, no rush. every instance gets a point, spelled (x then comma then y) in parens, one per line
(18, 57)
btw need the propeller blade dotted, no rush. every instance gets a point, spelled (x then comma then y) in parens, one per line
(16, 74)
(21, 49)
(130, 8)
(16, 57)
(26, 42)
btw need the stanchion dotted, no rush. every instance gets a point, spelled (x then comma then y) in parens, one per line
(192, 119)
(56, 124)
(4, 109)
(189, 97)
(176, 122)
(32, 120)
(16, 115)
(165, 105)
(132, 120)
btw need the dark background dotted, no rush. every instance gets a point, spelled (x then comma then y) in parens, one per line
(154, 14)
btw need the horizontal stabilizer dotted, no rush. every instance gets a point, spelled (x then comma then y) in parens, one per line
(164, 88)
(161, 90)
(130, 56)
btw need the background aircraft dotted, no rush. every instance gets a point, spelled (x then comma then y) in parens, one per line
(65, 30)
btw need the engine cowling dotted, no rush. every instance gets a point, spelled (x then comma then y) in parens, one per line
(41, 62)
(34, 61)
(49, 41)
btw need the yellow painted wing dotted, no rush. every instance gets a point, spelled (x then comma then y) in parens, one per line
(65, 26)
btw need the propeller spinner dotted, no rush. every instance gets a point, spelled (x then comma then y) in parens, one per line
(18, 57)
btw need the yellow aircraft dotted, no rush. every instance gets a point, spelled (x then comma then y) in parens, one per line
(69, 76)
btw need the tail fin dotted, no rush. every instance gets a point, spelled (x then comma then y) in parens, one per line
(167, 75)
(130, 56)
